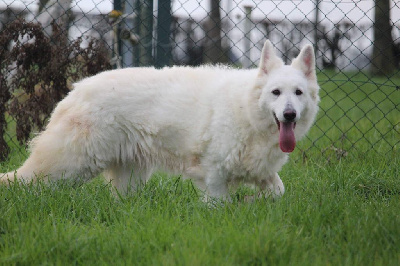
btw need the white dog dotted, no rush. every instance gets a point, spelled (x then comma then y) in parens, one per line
(216, 125)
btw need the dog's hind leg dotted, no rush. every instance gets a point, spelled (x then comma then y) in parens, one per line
(127, 178)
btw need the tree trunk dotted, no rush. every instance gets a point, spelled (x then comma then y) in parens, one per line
(382, 57)
(4, 98)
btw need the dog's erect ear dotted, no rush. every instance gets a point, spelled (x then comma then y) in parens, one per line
(305, 62)
(269, 60)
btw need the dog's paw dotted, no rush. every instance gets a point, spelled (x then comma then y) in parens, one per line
(277, 188)
(272, 187)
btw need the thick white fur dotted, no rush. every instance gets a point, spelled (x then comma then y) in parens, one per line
(215, 125)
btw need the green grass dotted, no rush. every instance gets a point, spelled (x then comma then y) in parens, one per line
(345, 212)
(341, 206)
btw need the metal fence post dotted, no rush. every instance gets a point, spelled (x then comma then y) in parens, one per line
(146, 33)
(117, 54)
(127, 47)
(316, 26)
(137, 26)
(143, 51)
(247, 38)
(164, 18)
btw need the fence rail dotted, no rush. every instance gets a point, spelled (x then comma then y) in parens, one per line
(357, 47)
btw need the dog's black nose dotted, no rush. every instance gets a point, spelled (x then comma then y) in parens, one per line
(289, 115)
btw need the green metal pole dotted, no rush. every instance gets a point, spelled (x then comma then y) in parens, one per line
(163, 50)
(118, 7)
(316, 26)
(147, 31)
(137, 27)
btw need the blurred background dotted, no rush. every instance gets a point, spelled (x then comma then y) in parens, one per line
(46, 45)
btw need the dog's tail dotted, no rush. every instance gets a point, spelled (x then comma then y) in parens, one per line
(25, 173)
(16, 176)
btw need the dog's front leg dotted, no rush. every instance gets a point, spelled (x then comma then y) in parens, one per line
(272, 185)
(216, 186)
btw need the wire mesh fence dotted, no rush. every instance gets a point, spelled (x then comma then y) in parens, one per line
(357, 47)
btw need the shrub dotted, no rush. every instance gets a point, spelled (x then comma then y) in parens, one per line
(38, 71)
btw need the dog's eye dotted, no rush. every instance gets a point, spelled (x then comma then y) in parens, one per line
(276, 92)
(299, 92)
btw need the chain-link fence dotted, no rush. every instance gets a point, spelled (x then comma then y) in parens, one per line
(357, 47)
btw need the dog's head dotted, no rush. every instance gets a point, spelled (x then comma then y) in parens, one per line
(289, 93)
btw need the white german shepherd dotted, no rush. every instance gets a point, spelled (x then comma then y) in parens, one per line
(216, 125)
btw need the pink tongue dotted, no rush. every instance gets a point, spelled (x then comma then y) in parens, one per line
(287, 141)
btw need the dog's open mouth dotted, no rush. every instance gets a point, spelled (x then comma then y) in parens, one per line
(287, 140)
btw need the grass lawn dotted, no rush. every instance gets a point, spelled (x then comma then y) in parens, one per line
(341, 206)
